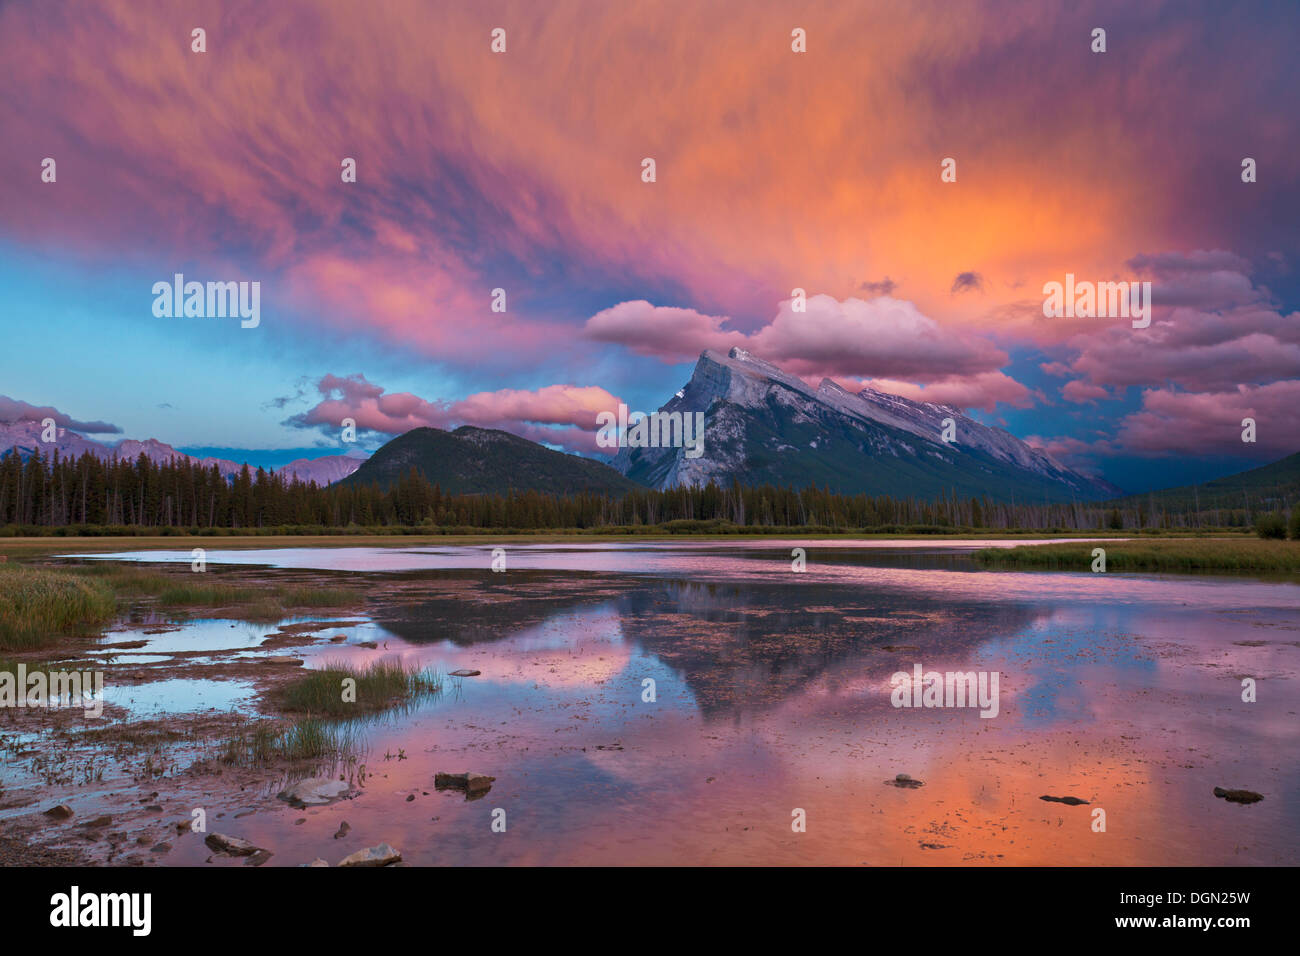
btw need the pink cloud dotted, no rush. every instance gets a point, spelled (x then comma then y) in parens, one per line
(1209, 423)
(883, 340)
(1082, 392)
(562, 415)
(1211, 330)
(16, 410)
(667, 333)
(878, 337)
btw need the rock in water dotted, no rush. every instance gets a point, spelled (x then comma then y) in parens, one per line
(1068, 801)
(469, 782)
(60, 812)
(1238, 796)
(232, 845)
(904, 781)
(315, 791)
(381, 855)
(465, 672)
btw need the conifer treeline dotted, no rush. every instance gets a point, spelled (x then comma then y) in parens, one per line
(54, 492)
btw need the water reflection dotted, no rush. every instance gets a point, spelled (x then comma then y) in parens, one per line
(772, 692)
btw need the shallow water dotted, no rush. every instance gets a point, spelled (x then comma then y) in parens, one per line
(773, 694)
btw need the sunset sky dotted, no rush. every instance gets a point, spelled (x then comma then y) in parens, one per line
(775, 170)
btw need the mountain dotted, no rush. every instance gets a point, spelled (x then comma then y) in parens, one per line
(473, 460)
(1266, 488)
(25, 438)
(764, 425)
(324, 471)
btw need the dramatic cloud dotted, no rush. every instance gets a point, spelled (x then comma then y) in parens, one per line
(1209, 423)
(1211, 330)
(521, 172)
(1195, 425)
(880, 337)
(14, 410)
(531, 414)
(481, 172)
(671, 334)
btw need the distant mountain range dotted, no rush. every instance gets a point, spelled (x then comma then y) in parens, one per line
(1269, 487)
(764, 425)
(473, 460)
(26, 438)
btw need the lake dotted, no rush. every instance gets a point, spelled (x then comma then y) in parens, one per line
(772, 734)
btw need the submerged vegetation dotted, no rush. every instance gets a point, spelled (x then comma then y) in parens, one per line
(268, 742)
(1152, 554)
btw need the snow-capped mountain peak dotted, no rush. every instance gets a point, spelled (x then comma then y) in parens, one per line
(763, 424)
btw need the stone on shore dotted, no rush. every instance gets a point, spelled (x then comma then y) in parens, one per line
(231, 845)
(315, 791)
(381, 855)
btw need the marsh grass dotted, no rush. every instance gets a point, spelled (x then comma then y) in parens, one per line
(268, 742)
(37, 606)
(1179, 554)
(383, 685)
(194, 590)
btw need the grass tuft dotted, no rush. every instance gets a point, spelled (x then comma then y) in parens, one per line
(384, 684)
(267, 742)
